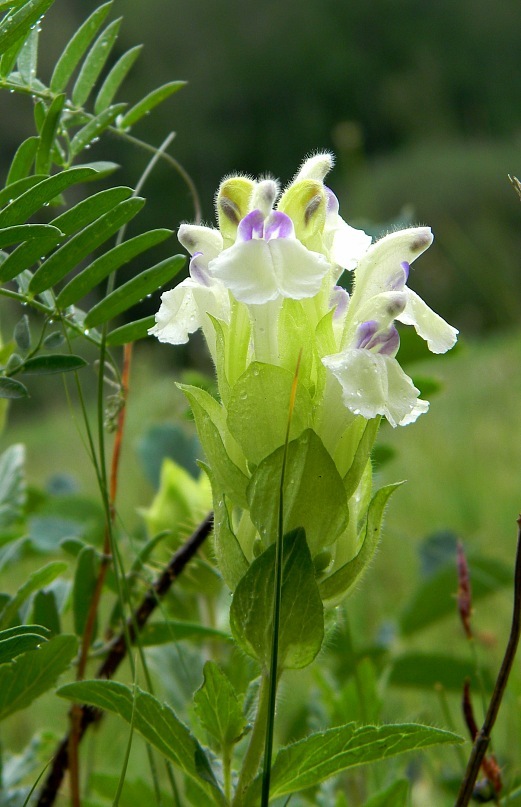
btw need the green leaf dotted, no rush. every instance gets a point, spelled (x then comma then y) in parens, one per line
(22, 333)
(13, 490)
(11, 388)
(301, 613)
(45, 611)
(7, 5)
(16, 641)
(28, 56)
(94, 63)
(94, 128)
(48, 134)
(209, 417)
(435, 597)
(85, 580)
(83, 243)
(320, 756)
(150, 101)
(171, 630)
(37, 580)
(15, 189)
(130, 332)
(335, 587)
(53, 363)
(218, 708)
(23, 160)
(361, 458)
(24, 232)
(115, 79)
(32, 674)
(156, 722)
(134, 290)
(77, 47)
(396, 795)
(33, 199)
(252, 401)
(426, 670)
(17, 25)
(314, 495)
(230, 557)
(103, 266)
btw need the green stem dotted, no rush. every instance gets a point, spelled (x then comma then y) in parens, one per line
(253, 755)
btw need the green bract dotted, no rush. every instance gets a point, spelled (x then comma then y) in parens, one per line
(263, 288)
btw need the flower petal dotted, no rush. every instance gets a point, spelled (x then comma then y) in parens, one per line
(439, 335)
(374, 384)
(196, 238)
(345, 244)
(257, 271)
(184, 309)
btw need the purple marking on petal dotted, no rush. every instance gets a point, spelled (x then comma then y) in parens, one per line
(387, 341)
(406, 267)
(198, 272)
(251, 226)
(339, 300)
(365, 333)
(278, 225)
(332, 201)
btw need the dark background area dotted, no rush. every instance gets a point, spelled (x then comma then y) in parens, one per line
(420, 102)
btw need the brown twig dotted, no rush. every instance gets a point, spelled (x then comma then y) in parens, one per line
(482, 740)
(118, 652)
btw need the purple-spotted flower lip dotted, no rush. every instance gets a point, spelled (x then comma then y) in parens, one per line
(339, 300)
(198, 270)
(370, 336)
(257, 225)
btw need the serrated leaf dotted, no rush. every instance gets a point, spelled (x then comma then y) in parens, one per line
(134, 290)
(77, 47)
(334, 588)
(156, 722)
(218, 708)
(115, 79)
(435, 597)
(48, 134)
(316, 758)
(28, 57)
(209, 417)
(13, 490)
(61, 262)
(103, 266)
(17, 25)
(11, 388)
(39, 579)
(170, 630)
(94, 128)
(94, 63)
(301, 629)
(314, 495)
(15, 645)
(22, 160)
(32, 674)
(131, 332)
(33, 199)
(25, 232)
(396, 795)
(85, 580)
(426, 670)
(150, 101)
(53, 363)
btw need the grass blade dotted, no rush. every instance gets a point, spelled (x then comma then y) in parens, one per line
(115, 79)
(134, 291)
(77, 46)
(149, 102)
(82, 244)
(94, 63)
